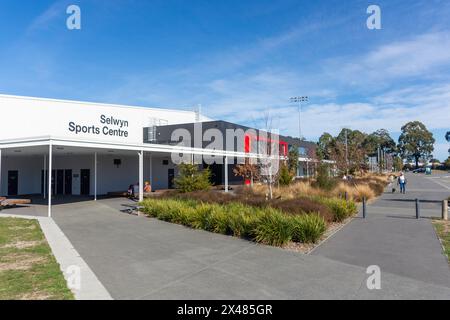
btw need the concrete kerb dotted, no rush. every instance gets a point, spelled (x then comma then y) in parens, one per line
(90, 288)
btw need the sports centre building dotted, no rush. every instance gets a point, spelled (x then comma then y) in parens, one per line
(56, 148)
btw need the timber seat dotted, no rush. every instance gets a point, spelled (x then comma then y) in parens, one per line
(4, 202)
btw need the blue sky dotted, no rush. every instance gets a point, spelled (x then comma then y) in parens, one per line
(241, 60)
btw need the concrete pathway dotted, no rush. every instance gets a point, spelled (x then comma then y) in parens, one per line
(393, 239)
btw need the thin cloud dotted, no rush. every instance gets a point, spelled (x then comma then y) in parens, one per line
(50, 15)
(420, 56)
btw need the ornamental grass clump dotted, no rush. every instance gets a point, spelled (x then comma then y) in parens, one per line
(341, 209)
(363, 191)
(308, 228)
(274, 229)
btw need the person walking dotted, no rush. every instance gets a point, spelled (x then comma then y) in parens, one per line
(402, 183)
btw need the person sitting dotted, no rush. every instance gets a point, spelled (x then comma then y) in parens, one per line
(130, 191)
(136, 189)
(147, 187)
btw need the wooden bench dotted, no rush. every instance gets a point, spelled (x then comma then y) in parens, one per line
(117, 194)
(4, 202)
(120, 194)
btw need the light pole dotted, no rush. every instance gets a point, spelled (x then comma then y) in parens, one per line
(346, 129)
(346, 152)
(299, 100)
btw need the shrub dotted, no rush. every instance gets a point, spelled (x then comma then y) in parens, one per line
(341, 209)
(343, 188)
(274, 229)
(303, 205)
(363, 191)
(368, 188)
(377, 188)
(191, 179)
(203, 218)
(296, 189)
(242, 219)
(323, 180)
(308, 228)
(285, 178)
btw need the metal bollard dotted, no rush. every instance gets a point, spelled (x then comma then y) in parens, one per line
(445, 210)
(364, 207)
(417, 209)
(346, 196)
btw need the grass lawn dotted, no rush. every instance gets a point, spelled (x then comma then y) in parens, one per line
(28, 269)
(443, 230)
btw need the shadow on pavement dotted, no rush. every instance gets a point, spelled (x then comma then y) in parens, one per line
(413, 200)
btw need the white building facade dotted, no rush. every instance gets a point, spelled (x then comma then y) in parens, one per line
(81, 148)
(57, 148)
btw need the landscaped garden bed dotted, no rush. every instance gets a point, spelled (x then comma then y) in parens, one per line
(294, 223)
(263, 225)
(297, 217)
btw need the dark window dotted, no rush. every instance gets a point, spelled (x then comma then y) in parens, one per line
(13, 183)
(171, 178)
(59, 181)
(67, 182)
(85, 182)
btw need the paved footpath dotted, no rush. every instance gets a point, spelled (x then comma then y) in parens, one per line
(392, 238)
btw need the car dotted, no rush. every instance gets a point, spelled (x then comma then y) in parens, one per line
(419, 170)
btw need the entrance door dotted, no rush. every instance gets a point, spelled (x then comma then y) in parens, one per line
(44, 181)
(67, 182)
(13, 183)
(60, 182)
(85, 181)
(171, 178)
(53, 182)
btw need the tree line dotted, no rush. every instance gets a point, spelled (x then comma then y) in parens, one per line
(350, 149)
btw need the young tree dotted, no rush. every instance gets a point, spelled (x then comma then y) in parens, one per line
(247, 171)
(447, 137)
(324, 181)
(324, 146)
(447, 163)
(269, 155)
(293, 161)
(285, 176)
(379, 139)
(380, 144)
(415, 142)
(338, 155)
(352, 145)
(191, 179)
(398, 164)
